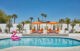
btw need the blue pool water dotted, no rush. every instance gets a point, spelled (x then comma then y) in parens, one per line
(39, 41)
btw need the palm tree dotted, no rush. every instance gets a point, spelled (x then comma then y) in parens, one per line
(23, 23)
(67, 22)
(42, 14)
(14, 16)
(38, 19)
(9, 17)
(9, 26)
(19, 26)
(73, 24)
(31, 18)
(61, 21)
(45, 15)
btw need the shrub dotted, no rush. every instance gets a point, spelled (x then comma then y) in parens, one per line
(66, 29)
(77, 32)
(19, 26)
(0, 30)
(6, 30)
(9, 26)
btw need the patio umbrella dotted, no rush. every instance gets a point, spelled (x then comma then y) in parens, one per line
(38, 23)
(53, 23)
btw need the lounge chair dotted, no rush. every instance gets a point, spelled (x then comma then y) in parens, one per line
(33, 30)
(57, 31)
(40, 31)
(51, 31)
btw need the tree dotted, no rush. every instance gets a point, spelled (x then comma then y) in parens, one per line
(61, 21)
(45, 15)
(38, 19)
(53, 27)
(9, 26)
(19, 26)
(76, 21)
(42, 14)
(3, 20)
(3, 17)
(14, 16)
(73, 24)
(27, 22)
(47, 21)
(23, 23)
(2, 14)
(9, 19)
(67, 20)
(31, 18)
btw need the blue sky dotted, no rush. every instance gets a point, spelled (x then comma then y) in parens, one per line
(55, 9)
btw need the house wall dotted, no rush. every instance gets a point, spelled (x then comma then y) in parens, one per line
(27, 27)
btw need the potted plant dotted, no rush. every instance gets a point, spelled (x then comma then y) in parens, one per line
(66, 30)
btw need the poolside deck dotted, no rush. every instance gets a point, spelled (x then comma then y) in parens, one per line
(50, 34)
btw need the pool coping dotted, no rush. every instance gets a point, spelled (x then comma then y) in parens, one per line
(31, 47)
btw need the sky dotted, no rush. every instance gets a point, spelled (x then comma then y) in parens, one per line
(55, 9)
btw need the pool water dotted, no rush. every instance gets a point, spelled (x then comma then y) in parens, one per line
(39, 41)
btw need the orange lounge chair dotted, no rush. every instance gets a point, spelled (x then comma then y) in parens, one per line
(57, 31)
(49, 30)
(33, 30)
(41, 30)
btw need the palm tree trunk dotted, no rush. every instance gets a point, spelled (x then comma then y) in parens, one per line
(9, 21)
(14, 20)
(19, 30)
(42, 18)
(31, 21)
(37, 27)
(9, 30)
(61, 26)
(23, 26)
(72, 29)
(68, 26)
(45, 19)
(31, 25)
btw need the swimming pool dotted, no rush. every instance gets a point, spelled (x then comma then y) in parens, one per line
(39, 41)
